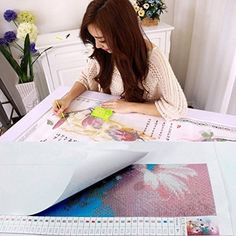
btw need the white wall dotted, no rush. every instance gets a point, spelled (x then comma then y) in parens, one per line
(168, 17)
(51, 15)
(58, 15)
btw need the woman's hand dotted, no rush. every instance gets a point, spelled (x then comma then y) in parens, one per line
(60, 105)
(119, 106)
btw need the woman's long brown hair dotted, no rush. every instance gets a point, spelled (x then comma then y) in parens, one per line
(119, 25)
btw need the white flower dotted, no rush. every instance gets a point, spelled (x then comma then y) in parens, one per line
(146, 6)
(171, 177)
(27, 28)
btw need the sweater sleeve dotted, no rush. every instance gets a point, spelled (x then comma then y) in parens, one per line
(172, 103)
(88, 74)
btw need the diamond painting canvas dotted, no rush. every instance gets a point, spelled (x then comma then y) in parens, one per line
(173, 181)
(169, 190)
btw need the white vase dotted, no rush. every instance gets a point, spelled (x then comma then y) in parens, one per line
(29, 95)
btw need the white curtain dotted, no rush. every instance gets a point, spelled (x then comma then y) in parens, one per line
(210, 82)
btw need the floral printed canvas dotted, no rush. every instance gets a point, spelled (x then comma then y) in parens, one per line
(81, 125)
(145, 190)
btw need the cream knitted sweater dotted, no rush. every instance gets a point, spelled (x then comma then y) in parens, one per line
(161, 84)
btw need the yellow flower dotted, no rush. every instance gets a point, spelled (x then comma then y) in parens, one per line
(146, 6)
(141, 12)
(25, 16)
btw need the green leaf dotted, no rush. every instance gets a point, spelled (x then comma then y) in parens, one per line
(26, 60)
(40, 55)
(11, 60)
(31, 72)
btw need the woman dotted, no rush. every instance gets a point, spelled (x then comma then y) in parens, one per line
(124, 63)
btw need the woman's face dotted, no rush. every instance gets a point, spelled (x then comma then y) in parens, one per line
(99, 39)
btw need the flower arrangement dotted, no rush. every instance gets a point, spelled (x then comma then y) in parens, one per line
(19, 47)
(149, 9)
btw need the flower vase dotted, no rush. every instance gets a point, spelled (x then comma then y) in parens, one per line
(29, 95)
(149, 21)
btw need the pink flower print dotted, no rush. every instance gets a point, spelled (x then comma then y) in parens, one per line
(95, 122)
(202, 227)
(122, 135)
(59, 123)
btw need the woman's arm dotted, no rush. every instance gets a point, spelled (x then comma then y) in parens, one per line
(85, 82)
(172, 103)
(122, 106)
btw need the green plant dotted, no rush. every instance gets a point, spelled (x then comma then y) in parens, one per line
(149, 8)
(19, 48)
